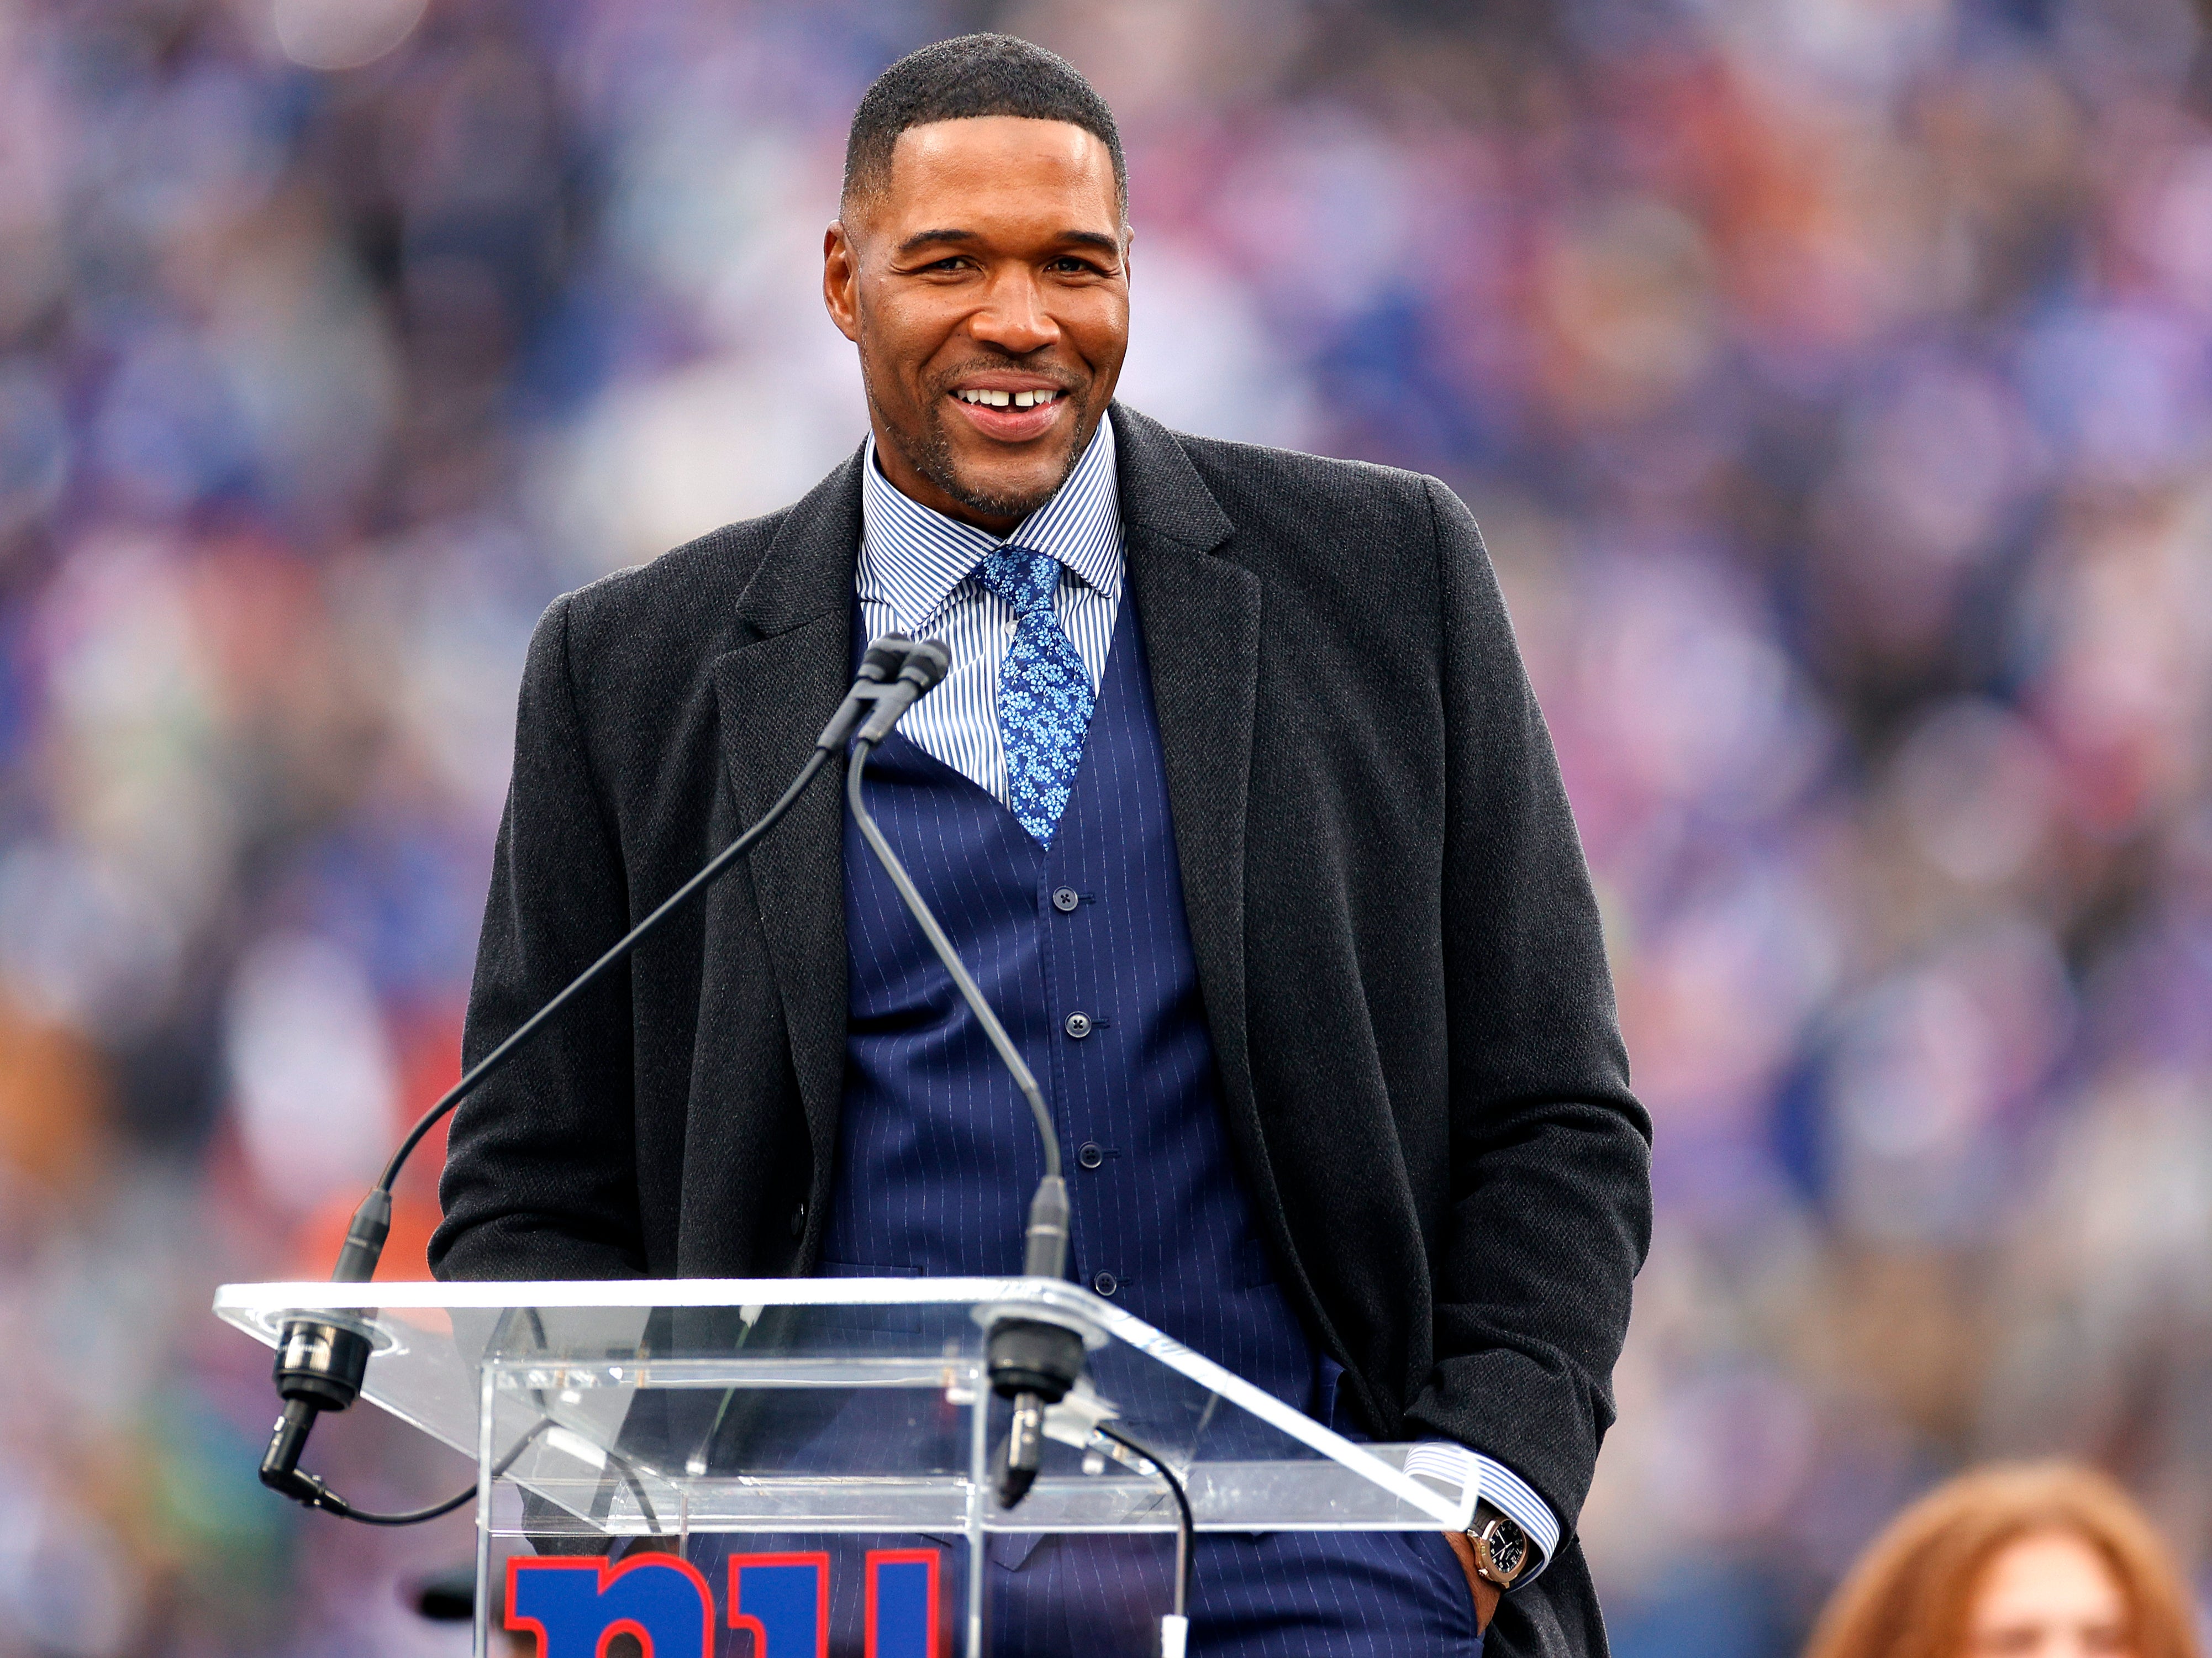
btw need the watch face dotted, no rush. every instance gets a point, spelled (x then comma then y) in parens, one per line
(1501, 1549)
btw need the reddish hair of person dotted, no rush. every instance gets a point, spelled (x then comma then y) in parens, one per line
(1911, 1593)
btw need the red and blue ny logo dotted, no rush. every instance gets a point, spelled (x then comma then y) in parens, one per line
(575, 1605)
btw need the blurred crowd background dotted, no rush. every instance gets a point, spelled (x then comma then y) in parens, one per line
(1832, 379)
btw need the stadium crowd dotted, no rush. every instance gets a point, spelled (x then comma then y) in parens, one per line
(1832, 379)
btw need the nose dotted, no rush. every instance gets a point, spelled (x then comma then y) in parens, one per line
(1014, 316)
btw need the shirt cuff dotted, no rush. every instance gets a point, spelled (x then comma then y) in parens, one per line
(1477, 1478)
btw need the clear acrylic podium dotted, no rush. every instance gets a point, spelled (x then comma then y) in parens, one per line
(681, 1410)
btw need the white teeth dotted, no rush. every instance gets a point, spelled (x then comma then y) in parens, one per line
(1004, 399)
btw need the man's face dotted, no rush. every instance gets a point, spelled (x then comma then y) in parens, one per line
(987, 285)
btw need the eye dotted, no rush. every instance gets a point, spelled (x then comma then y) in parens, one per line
(950, 265)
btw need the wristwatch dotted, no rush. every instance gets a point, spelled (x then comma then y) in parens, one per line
(1502, 1549)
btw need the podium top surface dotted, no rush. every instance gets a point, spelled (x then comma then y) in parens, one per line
(477, 1364)
(292, 1295)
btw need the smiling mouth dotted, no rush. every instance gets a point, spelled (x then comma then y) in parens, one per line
(1010, 414)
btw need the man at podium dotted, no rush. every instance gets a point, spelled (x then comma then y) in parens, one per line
(1236, 803)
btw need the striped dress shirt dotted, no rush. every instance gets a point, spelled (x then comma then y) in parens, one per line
(916, 576)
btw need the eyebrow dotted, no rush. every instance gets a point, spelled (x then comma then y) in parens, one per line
(1092, 239)
(1079, 238)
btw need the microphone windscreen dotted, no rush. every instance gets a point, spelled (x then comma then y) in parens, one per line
(927, 663)
(886, 657)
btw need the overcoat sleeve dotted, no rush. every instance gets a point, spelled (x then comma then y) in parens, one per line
(1551, 1202)
(539, 1180)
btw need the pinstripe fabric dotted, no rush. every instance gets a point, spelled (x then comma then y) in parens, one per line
(937, 1154)
(917, 576)
(1285, 1594)
(937, 1157)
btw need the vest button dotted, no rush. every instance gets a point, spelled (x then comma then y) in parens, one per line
(799, 1221)
(1105, 1283)
(1065, 899)
(1079, 1025)
(1090, 1156)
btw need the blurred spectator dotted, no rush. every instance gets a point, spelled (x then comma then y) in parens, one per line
(2028, 1560)
(1833, 381)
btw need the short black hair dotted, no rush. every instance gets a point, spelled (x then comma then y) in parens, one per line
(968, 76)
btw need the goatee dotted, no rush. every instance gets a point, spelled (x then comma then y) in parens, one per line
(932, 457)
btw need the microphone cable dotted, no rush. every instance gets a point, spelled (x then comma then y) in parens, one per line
(331, 1503)
(1186, 1528)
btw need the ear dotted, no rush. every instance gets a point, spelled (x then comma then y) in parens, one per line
(841, 281)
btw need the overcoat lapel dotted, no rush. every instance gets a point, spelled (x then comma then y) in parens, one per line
(774, 692)
(1201, 619)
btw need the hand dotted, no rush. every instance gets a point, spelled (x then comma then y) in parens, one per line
(1485, 1593)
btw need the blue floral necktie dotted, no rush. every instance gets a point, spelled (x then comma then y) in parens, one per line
(1044, 691)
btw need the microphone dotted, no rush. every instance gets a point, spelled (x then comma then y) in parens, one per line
(927, 664)
(1033, 1362)
(321, 1361)
(882, 662)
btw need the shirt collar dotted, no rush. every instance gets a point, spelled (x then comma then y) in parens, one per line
(913, 556)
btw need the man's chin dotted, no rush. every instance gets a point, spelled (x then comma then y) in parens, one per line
(1000, 497)
(998, 482)
(993, 486)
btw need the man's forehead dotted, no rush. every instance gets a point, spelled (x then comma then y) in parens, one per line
(1002, 157)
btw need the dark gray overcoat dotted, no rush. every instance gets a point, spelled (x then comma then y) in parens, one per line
(1396, 942)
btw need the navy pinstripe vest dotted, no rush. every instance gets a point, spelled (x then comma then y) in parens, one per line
(1085, 951)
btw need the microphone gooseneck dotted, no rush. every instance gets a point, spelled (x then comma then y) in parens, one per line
(321, 1361)
(1032, 1363)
